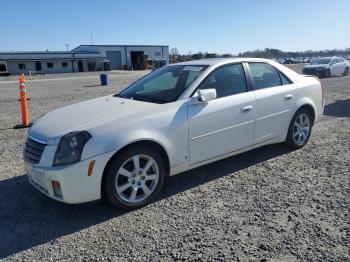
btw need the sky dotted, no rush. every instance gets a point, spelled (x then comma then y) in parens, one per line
(220, 26)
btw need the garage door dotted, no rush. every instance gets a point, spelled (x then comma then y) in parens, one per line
(115, 58)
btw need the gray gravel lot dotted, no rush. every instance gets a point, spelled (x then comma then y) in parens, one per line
(270, 204)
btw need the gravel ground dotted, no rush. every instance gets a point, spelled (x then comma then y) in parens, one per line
(270, 204)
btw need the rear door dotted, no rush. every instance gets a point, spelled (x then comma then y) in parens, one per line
(275, 98)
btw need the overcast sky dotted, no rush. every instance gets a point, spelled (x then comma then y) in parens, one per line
(222, 26)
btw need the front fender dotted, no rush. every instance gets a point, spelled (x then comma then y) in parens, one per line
(169, 129)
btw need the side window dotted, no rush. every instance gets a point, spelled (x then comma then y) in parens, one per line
(285, 80)
(264, 75)
(228, 80)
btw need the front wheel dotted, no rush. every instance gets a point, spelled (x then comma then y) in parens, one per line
(135, 177)
(299, 129)
(346, 72)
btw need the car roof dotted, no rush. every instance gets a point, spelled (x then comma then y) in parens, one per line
(214, 61)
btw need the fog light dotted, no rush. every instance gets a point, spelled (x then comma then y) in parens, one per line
(57, 188)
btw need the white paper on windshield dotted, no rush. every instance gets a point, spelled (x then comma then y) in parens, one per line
(193, 68)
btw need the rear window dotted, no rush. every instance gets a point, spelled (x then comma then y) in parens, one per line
(264, 75)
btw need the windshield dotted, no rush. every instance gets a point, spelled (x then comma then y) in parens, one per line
(164, 85)
(321, 61)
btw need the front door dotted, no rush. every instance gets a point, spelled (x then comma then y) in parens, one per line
(38, 66)
(275, 100)
(225, 124)
(80, 66)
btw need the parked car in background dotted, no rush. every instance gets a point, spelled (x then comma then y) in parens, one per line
(181, 116)
(327, 67)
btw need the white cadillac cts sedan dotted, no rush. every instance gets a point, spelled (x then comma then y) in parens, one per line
(176, 118)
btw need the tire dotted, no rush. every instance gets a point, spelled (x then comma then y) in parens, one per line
(346, 72)
(328, 73)
(299, 132)
(125, 186)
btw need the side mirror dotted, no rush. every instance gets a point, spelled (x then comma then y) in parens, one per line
(206, 95)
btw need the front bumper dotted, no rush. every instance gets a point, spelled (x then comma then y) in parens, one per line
(315, 71)
(76, 186)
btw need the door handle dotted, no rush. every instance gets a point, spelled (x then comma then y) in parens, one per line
(288, 97)
(247, 108)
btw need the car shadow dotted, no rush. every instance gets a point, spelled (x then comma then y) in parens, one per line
(340, 108)
(28, 218)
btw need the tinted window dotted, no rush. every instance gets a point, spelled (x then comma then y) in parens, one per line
(228, 80)
(264, 75)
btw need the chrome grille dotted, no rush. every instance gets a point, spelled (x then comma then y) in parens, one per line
(33, 151)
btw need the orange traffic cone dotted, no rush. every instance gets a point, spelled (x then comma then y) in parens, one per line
(24, 105)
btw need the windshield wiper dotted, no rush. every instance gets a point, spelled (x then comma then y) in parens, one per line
(141, 98)
(121, 96)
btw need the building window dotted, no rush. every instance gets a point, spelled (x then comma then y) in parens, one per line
(22, 66)
(157, 54)
(64, 64)
(49, 65)
(3, 68)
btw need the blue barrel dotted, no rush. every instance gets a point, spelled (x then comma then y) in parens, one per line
(104, 79)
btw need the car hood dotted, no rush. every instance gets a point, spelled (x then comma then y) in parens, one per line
(87, 115)
(317, 66)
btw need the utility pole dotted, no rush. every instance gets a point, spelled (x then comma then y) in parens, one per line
(92, 42)
(67, 45)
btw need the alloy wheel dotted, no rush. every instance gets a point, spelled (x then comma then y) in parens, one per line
(137, 178)
(301, 129)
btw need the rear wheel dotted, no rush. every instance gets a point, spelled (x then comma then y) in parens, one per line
(299, 129)
(135, 177)
(346, 72)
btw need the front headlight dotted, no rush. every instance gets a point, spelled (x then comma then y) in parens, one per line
(70, 147)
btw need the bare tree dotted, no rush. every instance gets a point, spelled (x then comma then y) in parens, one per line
(174, 51)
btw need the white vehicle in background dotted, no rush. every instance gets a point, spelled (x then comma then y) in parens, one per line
(179, 117)
(327, 67)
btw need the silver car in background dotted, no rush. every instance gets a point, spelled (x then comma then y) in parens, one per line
(327, 67)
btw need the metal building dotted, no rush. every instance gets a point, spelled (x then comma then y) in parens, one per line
(83, 58)
(128, 56)
(50, 62)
